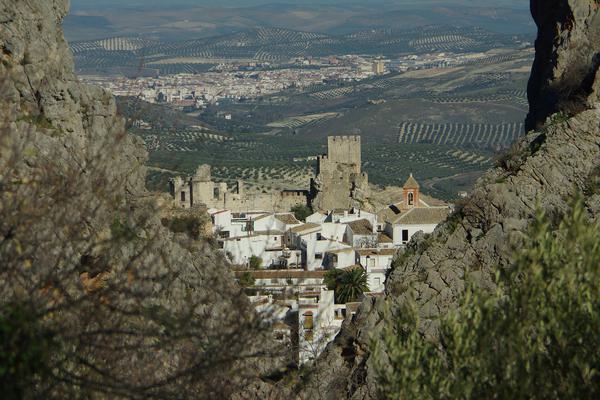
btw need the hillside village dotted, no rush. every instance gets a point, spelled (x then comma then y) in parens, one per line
(289, 263)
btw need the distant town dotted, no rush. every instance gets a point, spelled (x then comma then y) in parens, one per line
(245, 81)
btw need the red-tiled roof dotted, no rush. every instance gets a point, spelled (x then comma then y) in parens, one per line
(306, 228)
(384, 238)
(411, 183)
(361, 227)
(425, 216)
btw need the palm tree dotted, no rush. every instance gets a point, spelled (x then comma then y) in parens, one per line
(348, 285)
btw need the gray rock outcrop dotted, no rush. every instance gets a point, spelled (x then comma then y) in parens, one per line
(135, 310)
(565, 74)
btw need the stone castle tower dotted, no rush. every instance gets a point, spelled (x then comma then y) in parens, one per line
(340, 182)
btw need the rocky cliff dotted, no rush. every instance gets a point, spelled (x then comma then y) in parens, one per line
(565, 71)
(125, 307)
(544, 169)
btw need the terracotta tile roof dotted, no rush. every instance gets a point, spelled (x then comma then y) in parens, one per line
(367, 252)
(376, 252)
(306, 228)
(389, 213)
(384, 238)
(220, 212)
(426, 216)
(431, 201)
(411, 183)
(361, 227)
(288, 219)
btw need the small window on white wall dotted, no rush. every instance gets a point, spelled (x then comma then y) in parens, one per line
(404, 235)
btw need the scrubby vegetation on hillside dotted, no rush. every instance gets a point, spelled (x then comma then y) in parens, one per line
(534, 337)
(99, 300)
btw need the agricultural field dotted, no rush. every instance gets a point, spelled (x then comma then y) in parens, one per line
(303, 120)
(276, 45)
(445, 125)
(485, 136)
(390, 165)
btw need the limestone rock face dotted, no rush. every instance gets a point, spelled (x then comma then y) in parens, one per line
(39, 84)
(565, 71)
(64, 140)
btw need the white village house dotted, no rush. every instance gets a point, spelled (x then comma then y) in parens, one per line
(296, 256)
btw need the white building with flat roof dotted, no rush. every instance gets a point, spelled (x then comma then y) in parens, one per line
(377, 263)
(318, 323)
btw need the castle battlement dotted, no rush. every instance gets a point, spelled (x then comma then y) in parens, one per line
(340, 181)
(352, 138)
(344, 150)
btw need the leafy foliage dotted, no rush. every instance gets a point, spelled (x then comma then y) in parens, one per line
(24, 350)
(301, 212)
(535, 336)
(247, 280)
(348, 285)
(255, 262)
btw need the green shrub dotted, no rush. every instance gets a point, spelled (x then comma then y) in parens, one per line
(255, 262)
(24, 350)
(301, 212)
(535, 337)
(348, 285)
(246, 280)
(559, 118)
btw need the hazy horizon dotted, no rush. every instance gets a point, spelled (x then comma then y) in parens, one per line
(184, 19)
(147, 4)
